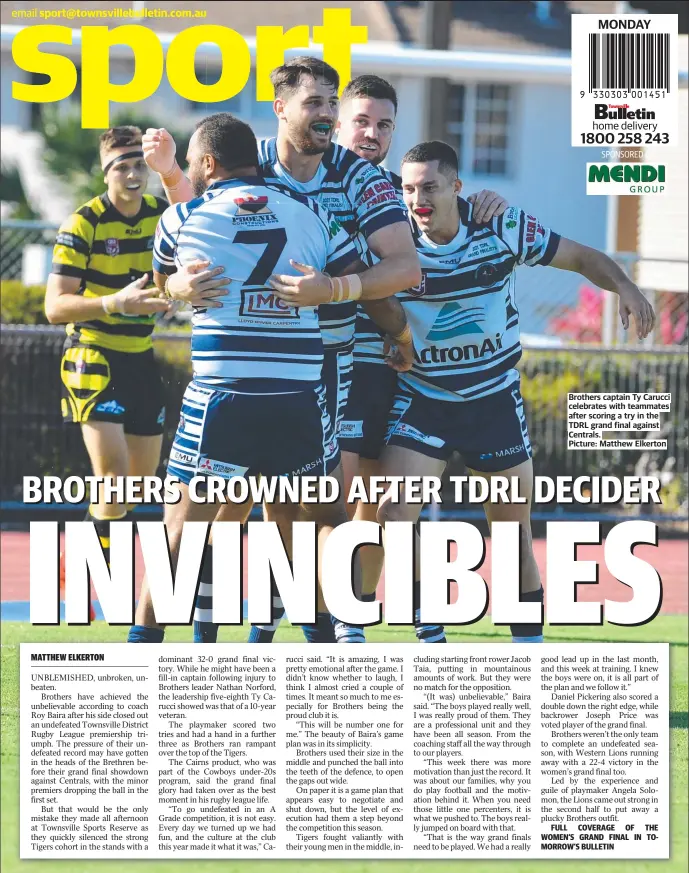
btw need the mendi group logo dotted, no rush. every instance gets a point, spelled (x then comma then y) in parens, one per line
(609, 179)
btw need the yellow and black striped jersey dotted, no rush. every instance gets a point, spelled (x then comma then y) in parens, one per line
(106, 251)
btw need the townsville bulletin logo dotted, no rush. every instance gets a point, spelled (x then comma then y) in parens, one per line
(609, 179)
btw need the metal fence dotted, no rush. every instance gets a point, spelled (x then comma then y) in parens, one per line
(15, 236)
(552, 303)
(35, 441)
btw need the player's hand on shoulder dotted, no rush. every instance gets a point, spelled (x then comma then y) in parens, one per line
(159, 150)
(199, 285)
(487, 205)
(136, 299)
(633, 302)
(309, 288)
(399, 356)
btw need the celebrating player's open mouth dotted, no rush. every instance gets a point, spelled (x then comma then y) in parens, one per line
(322, 128)
(369, 150)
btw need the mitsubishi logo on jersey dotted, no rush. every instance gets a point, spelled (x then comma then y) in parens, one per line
(453, 321)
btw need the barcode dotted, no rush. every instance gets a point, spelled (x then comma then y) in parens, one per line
(629, 60)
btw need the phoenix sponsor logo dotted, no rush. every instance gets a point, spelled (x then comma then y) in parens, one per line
(253, 211)
(251, 205)
(453, 320)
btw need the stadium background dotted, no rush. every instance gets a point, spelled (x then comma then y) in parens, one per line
(493, 78)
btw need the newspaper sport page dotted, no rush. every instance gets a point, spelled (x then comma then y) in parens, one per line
(332, 332)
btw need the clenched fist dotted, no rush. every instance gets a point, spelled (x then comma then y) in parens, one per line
(159, 150)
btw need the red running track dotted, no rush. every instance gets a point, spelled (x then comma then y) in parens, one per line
(669, 558)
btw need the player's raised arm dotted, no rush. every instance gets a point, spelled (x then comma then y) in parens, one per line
(600, 269)
(159, 153)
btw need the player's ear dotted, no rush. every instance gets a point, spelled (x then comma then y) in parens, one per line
(458, 187)
(279, 107)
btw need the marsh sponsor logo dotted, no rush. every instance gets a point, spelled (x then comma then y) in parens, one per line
(307, 468)
(610, 179)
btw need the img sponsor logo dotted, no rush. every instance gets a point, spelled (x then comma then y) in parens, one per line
(609, 179)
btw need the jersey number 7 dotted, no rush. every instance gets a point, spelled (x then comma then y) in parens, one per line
(274, 241)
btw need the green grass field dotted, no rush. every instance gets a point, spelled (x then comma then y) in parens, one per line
(672, 629)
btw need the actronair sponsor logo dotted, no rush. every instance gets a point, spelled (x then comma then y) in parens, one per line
(625, 179)
(435, 355)
(453, 320)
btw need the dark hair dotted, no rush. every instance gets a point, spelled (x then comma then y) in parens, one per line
(444, 154)
(287, 78)
(370, 86)
(231, 141)
(119, 138)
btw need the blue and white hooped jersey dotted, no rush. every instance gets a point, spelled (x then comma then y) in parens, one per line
(368, 339)
(253, 230)
(464, 316)
(361, 199)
